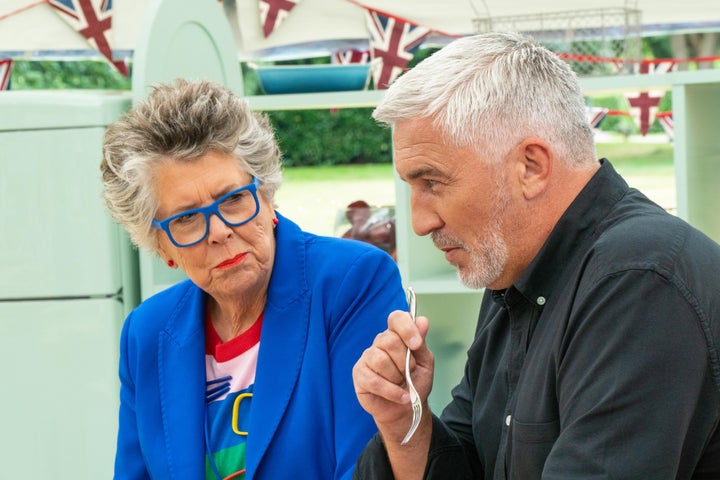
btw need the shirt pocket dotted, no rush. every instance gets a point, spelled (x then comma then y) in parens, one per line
(530, 446)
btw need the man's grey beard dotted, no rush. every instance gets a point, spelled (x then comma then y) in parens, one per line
(487, 257)
(488, 263)
(489, 254)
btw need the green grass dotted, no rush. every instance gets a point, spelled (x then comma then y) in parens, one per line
(639, 158)
(314, 196)
(630, 157)
(339, 173)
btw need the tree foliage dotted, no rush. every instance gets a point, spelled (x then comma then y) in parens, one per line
(75, 74)
(322, 137)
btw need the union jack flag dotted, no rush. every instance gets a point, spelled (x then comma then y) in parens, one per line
(666, 120)
(5, 69)
(273, 13)
(93, 20)
(393, 42)
(655, 66)
(595, 115)
(351, 55)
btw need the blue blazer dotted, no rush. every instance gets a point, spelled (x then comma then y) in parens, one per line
(327, 300)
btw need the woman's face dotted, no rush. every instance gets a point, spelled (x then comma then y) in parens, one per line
(231, 261)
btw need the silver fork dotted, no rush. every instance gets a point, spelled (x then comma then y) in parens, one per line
(414, 397)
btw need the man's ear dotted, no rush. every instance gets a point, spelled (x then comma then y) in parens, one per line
(535, 164)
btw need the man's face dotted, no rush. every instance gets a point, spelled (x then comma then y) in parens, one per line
(457, 198)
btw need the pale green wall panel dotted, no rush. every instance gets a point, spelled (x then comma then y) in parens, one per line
(63, 262)
(58, 410)
(185, 38)
(42, 109)
(701, 104)
(453, 318)
(57, 237)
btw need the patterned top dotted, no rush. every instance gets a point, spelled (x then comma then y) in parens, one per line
(230, 374)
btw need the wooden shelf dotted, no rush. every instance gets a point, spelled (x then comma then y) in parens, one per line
(619, 83)
(318, 100)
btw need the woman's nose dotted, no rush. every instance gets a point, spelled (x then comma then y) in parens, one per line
(218, 231)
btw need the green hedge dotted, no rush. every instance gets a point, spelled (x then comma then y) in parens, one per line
(76, 74)
(322, 137)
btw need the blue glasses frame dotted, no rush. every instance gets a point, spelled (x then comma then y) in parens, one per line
(212, 209)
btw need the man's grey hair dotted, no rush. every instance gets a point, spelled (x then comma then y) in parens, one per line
(490, 92)
(181, 121)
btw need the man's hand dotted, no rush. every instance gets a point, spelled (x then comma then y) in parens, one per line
(379, 378)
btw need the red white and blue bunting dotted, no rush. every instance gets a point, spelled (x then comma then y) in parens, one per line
(273, 13)
(93, 20)
(351, 56)
(5, 70)
(595, 115)
(393, 43)
(666, 120)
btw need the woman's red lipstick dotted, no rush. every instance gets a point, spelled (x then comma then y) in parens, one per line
(230, 262)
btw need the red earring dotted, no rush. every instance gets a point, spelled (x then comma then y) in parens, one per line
(275, 221)
(170, 263)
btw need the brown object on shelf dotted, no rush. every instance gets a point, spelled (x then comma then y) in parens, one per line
(374, 225)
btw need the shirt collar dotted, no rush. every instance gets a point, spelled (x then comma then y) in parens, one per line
(577, 226)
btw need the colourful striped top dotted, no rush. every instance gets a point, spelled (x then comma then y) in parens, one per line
(230, 374)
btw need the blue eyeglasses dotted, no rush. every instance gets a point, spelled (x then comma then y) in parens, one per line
(192, 226)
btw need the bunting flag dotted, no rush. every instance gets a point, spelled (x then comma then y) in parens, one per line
(273, 13)
(655, 66)
(350, 56)
(643, 106)
(5, 69)
(393, 42)
(595, 115)
(666, 120)
(93, 20)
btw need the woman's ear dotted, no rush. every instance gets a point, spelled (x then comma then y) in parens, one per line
(535, 164)
(165, 256)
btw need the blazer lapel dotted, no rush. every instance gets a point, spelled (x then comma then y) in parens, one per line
(282, 341)
(181, 361)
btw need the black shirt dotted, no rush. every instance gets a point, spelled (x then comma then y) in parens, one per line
(601, 361)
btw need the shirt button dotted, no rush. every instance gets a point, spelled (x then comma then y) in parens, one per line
(507, 420)
(540, 300)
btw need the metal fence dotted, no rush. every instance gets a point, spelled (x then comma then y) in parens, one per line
(601, 41)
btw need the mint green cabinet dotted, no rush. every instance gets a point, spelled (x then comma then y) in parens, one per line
(58, 363)
(68, 276)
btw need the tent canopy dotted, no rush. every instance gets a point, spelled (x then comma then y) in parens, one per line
(32, 26)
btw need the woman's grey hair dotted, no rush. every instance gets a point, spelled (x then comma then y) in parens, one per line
(491, 91)
(182, 121)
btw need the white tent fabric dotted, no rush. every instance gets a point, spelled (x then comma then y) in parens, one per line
(32, 25)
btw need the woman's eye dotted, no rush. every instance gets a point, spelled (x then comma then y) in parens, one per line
(187, 218)
(234, 198)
